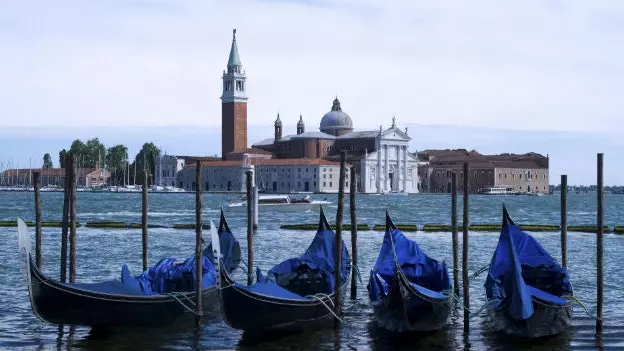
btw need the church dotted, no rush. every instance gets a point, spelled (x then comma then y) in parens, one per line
(305, 161)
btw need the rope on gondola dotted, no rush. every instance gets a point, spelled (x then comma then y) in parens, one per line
(324, 304)
(570, 298)
(357, 270)
(191, 310)
(479, 271)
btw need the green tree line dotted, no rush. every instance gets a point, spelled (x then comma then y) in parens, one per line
(93, 154)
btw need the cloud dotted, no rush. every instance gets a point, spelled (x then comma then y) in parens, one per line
(536, 65)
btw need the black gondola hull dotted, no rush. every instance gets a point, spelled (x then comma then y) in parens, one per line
(547, 320)
(407, 310)
(254, 313)
(62, 304)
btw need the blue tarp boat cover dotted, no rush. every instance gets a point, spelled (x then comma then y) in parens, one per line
(172, 274)
(419, 268)
(521, 270)
(319, 256)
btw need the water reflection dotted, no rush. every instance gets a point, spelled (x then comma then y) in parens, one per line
(383, 340)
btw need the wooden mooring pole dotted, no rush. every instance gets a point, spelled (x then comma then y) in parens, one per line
(72, 219)
(465, 281)
(65, 224)
(250, 202)
(599, 247)
(198, 244)
(255, 206)
(338, 253)
(144, 217)
(564, 220)
(354, 257)
(455, 236)
(37, 179)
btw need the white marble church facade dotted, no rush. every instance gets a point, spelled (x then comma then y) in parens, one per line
(390, 169)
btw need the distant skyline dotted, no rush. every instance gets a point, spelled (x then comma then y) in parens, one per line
(571, 153)
(530, 65)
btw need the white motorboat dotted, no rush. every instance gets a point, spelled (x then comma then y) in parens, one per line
(280, 201)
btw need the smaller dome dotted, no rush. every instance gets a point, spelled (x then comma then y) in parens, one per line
(300, 123)
(336, 122)
(278, 121)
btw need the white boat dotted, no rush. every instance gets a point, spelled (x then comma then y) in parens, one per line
(281, 201)
(498, 190)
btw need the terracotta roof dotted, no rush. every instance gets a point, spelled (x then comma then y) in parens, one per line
(251, 150)
(448, 152)
(271, 162)
(202, 158)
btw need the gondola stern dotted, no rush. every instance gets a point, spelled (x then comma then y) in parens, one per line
(223, 225)
(29, 266)
(389, 223)
(323, 224)
(507, 221)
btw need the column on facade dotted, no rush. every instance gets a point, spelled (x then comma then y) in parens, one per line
(378, 173)
(399, 175)
(405, 168)
(386, 169)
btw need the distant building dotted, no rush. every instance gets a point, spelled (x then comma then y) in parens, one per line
(308, 160)
(526, 173)
(270, 175)
(85, 177)
(305, 161)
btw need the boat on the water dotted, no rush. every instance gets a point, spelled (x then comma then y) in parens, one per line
(526, 288)
(409, 291)
(499, 190)
(281, 201)
(295, 295)
(162, 295)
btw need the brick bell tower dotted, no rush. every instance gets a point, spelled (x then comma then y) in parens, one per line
(234, 105)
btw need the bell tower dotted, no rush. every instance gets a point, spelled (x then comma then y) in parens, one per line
(234, 104)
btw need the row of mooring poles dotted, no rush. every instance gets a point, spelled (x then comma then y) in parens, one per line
(68, 227)
(198, 243)
(37, 179)
(454, 229)
(250, 226)
(144, 216)
(354, 253)
(338, 253)
(599, 245)
(72, 219)
(466, 225)
(65, 220)
(564, 220)
(454, 234)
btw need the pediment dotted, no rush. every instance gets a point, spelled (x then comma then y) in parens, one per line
(394, 133)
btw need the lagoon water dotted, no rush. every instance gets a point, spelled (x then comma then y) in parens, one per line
(101, 252)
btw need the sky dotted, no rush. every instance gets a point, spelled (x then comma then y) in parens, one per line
(551, 70)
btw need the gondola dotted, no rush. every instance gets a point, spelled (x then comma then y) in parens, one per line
(295, 295)
(408, 290)
(160, 296)
(526, 288)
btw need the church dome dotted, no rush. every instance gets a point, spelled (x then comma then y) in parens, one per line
(336, 122)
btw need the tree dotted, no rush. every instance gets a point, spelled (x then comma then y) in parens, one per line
(47, 161)
(145, 159)
(116, 159)
(96, 152)
(62, 158)
(90, 154)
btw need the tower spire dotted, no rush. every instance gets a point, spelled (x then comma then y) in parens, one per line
(234, 59)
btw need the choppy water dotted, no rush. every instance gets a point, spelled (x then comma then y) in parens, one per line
(100, 254)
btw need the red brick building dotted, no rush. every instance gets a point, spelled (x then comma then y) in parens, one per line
(524, 174)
